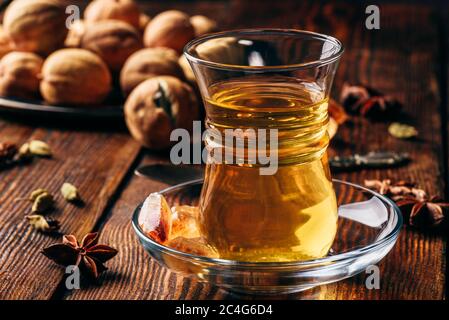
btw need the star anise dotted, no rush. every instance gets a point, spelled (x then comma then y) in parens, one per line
(380, 106)
(88, 255)
(364, 100)
(423, 213)
(352, 97)
(396, 190)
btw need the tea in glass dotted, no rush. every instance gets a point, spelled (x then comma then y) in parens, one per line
(290, 215)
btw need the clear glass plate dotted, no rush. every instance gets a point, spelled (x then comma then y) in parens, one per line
(368, 227)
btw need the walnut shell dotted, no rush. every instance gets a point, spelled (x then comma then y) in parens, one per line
(144, 20)
(75, 76)
(5, 43)
(187, 69)
(148, 63)
(76, 32)
(223, 50)
(123, 10)
(114, 41)
(202, 25)
(20, 75)
(156, 107)
(171, 29)
(36, 26)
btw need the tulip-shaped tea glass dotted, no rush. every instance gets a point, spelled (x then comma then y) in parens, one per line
(267, 193)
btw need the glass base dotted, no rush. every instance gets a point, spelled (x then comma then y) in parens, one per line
(368, 227)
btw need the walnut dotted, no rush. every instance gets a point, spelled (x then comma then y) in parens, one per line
(5, 43)
(223, 50)
(156, 107)
(187, 69)
(20, 75)
(144, 20)
(171, 29)
(114, 41)
(76, 32)
(36, 26)
(75, 76)
(123, 10)
(148, 63)
(203, 25)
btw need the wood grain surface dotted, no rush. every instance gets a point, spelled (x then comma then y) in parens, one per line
(402, 59)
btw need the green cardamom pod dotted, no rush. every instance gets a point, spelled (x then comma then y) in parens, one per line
(70, 192)
(24, 151)
(39, 148)
(36, 193)
(402, 131)
(42, 203)
(42, 223)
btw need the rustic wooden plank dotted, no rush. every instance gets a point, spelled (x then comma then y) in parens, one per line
(95, 161)
(400, 59)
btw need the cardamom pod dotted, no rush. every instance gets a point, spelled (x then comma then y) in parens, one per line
(42, 203)
(44, 224)
(24, 151)
(39, 148)
(35, 193)
(402, 131)
(70, 192)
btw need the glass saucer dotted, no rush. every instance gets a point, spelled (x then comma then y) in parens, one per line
(368, 227)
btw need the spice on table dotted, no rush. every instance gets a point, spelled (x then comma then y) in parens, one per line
(24, 151)
(423, 213)
(88, 255)
(352, 97)
(396, 190)
(36, 193)
(418, 208)
(368, 102)
(379, 106)
(7, 153)
(402, 131)
(70, 192)
(44, 224)
(39, 148)
(373, 159)
(42, 202)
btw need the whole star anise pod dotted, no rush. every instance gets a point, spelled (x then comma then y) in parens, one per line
(352, 97)
(396, 190)
(380, 106)
(364, 100)
(423, 213)
(88, 255)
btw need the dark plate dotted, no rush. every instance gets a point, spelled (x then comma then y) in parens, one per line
(108, 110)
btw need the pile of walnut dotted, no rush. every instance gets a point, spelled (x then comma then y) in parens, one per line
(176, 227)
(114, 43)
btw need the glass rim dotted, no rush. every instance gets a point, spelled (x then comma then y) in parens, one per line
(253, 31)
(330, 259)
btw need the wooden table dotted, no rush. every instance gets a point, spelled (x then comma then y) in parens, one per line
(406, 58)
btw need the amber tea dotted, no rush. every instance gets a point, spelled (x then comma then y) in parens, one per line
(272, 80)
(291, 215)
